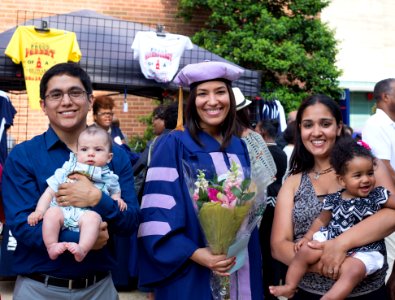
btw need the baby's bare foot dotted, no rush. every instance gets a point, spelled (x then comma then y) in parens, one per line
(282, 290)
(76, 249)
(55, 249)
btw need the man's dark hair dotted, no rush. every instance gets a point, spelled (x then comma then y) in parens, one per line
(271, 127)
(70, 69)
(158, 112)
(289, 133)
(170, 115)
(383, 86)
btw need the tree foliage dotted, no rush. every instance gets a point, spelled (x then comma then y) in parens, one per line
(285, 39)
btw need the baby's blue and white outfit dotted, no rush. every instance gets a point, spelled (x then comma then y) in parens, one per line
(102, 177)
(347, 213)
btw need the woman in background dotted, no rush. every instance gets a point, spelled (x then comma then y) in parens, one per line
(103, 116)
(273, 270)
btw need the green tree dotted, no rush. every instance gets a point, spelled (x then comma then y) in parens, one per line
(286, 40)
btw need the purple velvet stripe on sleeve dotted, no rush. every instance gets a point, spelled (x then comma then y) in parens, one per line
(153, 228)
(158, 201)
(240, 285)
(219, 163)
(162, 174)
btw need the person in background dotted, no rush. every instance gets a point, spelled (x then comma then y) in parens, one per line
(103, 116)
(66, 98)
(273, 271)
(280, 141)
(291, 116)
(348, 130)
(170, 114)
(299, 202)
(2, 218)
(289, 137)
(379, 133)
(116, 125)
(167, 115)
(263, 167)
(158, 120)
(174, 258)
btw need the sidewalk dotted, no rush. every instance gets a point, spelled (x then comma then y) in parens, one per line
(6, 288)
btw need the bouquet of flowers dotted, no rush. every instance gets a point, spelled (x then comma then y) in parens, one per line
(227, 210)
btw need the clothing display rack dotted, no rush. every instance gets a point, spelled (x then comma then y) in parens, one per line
(105, 43)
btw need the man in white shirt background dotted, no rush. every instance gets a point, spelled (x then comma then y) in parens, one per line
(379, 133)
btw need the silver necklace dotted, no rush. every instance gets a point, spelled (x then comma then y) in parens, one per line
(317, 174)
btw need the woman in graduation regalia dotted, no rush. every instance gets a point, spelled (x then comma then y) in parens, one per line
(174, 259)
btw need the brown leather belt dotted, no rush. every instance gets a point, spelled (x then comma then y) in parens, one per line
(77, 283)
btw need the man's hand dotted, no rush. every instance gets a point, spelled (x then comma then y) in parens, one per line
(80, 193)
(102, 238)
(391, 285)
(331, 259)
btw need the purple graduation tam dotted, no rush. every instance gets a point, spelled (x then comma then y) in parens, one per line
(194, 74)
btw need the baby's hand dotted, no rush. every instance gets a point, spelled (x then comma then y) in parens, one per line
(34, 218)
(300, 243)
(121, 204)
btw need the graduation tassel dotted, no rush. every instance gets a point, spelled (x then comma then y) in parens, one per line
(180, 125)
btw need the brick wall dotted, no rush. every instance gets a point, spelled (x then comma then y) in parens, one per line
(29, 123)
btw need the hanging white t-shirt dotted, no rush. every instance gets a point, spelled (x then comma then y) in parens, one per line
(159, 56)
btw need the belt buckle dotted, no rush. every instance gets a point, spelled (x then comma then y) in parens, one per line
(70, 284)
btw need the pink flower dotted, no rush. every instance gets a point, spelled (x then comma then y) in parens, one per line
(212, 194)
(229, 194)
(196, 196)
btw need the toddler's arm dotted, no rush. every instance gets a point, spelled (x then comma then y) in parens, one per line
(42, 206)
(121, 204)
(321, 221)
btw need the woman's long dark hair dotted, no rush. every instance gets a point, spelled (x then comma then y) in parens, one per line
(301, 159)
(227, 127)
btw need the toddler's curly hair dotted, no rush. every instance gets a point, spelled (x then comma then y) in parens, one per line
(345, 149)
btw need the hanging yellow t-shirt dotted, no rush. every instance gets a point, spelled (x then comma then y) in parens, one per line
(38, 51)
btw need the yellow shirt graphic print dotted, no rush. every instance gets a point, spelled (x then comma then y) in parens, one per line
(39, 51)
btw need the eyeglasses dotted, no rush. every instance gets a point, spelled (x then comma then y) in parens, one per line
(107, 114)
(75, 95)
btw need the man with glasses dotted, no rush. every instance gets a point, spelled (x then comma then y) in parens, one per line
(66, 94)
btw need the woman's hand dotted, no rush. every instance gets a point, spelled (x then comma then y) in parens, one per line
(102, 238)
(219, 264)
(332, 257)
(80, 193)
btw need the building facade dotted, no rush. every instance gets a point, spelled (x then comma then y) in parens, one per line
(366, 46)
